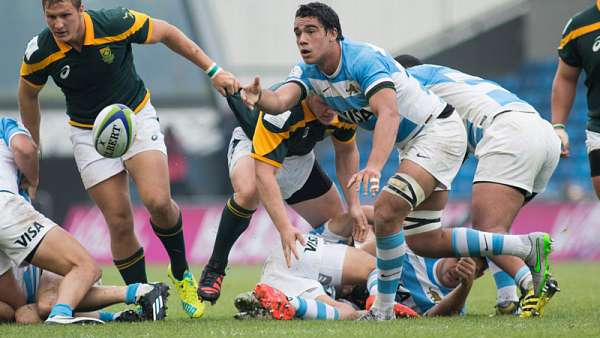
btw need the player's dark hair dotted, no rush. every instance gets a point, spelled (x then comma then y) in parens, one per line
(47, 3)
(407, 60)
(325, 14)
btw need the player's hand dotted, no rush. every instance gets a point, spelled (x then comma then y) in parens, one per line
(289, 236)
(226, 83)
(465, 270)
(368, 178)
(251, 94)
(29, 187)
(564, 141)
(360, 227)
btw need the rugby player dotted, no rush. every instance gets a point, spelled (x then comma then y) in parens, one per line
(26, 236)
(281, 148)
(577, 51)
(308, 290)
(88, 54)
(40, 289)
(517, 153)
(364, 84)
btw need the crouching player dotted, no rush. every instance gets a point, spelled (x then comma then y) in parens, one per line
(40, 289)
(276, 153)
(428, 286)
(26, 236)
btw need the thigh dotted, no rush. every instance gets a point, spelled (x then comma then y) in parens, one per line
(319, 210)
(439, 149)
(58, 252)
(150, 172)
(294, 173)
(10, 291)
(357, 266)
(494, 206)
(112, 198)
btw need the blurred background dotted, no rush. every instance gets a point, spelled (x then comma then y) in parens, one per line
(510, 41)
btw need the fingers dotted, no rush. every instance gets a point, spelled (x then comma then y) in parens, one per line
(286, 254)
(352, 181)
(294, 251)
(300, 239)
(256, 82)
(374, 185)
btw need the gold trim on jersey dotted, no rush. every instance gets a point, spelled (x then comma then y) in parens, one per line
(27, 69)
(574, 34)
(351, 140)
(265, 141)
(31, 84)
(143, 103)
(140, 20)
(266, 160)
(81, 125)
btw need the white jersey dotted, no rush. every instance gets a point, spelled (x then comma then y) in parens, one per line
(419, 286)
(477, 100)
(9, 174)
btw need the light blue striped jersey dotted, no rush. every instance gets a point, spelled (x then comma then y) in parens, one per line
(28, 278)
(363, 70)
(9, 174)
(419, 286)
(475, 99)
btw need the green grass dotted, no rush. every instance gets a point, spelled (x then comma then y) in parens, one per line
(574, 312)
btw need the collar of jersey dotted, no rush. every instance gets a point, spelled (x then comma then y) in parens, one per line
(88, 39)
(339, 67)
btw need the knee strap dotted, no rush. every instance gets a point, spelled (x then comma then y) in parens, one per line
(420, 221)
(406, 187)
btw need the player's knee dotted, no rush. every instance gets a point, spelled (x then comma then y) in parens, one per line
(388, 218)
(27, 314)
(7, 314)
(120, 222)
(247, 196)
(159, 205)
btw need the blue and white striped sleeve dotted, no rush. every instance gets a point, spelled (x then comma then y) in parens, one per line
(9, 128)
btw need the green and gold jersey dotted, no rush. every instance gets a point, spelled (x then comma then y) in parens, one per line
(102, 73)
(293, 133)
(580, 47)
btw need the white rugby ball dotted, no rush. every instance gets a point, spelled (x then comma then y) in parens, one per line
(114, 130)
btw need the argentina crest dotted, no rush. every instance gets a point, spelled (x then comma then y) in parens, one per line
(107, 55)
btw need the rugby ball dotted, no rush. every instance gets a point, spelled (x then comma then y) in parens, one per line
(114, 130)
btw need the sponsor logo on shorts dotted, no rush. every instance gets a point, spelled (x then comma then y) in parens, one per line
(29, 235)
(311, 244)
(423, 156)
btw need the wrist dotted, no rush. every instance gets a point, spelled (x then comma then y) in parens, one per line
(213, 70)
(559, 126)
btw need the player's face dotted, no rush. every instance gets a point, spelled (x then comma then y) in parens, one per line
(65, 21)
(447, 272)
(313, 42)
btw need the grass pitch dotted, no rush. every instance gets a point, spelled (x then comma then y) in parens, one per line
(574, 312)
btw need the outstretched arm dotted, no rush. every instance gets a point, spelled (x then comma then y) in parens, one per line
(563, 94)
(177, 41)
(271, 102)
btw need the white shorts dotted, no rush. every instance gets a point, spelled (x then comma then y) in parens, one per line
(319, 268)
(439, 149)
(518, 149)
(291, 177)
(94, 168)
(21, 230)
(592, 141)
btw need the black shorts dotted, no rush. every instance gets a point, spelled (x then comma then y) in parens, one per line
(317, 184)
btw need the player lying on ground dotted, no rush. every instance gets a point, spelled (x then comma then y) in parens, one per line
(277, 152)
(364, 84)
(428, 286)
(27, 236)
(512, 166)
(40, 289)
